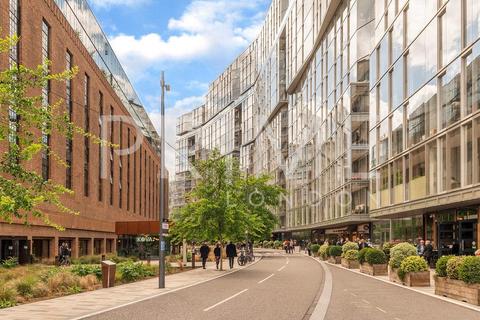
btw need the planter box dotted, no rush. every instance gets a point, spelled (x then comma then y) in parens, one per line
(335, 260)
(374, 270)
(350, 264)
(458, 290)
(412, 279)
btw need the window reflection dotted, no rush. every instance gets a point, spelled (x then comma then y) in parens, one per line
(450, 95)
(422, 114)
(397, 131)
(472, 79)
(472, 13)
(418, 182)
(451, 31)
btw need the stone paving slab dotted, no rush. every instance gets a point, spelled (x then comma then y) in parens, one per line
(79, 305)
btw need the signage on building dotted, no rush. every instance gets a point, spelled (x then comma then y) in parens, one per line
(336, 231)
(145, 239)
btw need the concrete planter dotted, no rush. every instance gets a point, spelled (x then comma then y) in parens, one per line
(374, 269)
(350, 264)
(335, 260)
(457, 289)
(412, 279)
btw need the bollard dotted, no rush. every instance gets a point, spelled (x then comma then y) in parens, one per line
(193, 260)
(149, 258)
(108, 273)
(103, 257)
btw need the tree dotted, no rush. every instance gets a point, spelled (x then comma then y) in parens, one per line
(24, 193)
(226, 204)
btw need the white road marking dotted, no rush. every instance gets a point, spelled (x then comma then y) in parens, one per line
(381, 310)
(397, 319)
(281, 268)
(225, 300)
(365, 301)
(324, 301)
(353, 294)
(261, 281)
(288, 260)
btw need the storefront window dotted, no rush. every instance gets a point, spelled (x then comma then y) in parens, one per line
(450, 95)
(380, 232)
(418, 183)
(407, 229)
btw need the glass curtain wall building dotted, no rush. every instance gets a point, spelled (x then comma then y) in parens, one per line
(425, 123)
(295, 104)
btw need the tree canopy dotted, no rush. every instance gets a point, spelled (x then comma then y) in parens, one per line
(226, 204)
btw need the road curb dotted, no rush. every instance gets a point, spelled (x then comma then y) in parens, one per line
(322, 299)
(167, 291)
(452, 301)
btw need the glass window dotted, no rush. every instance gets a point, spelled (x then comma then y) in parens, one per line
(454, 159)
(373, 114)
(397, 84)
(383, 59)
(442, 145)
(383, 108)
(419, 13)
(421, 117)
(472, 79)
(373, 67)
(383, 142)
(397, 38)
(373, 147)
(472, 11)
(418, 183)
(397, 131)
(397, 181)
(384, 190)
(450, 95)
(373, 190)
(451, 31)
(467, 129)
(432, 167)
(476, 133)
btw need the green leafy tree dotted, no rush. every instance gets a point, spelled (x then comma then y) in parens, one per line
(24, 193)
(226, 204)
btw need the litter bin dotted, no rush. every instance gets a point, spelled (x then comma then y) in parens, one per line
(108, 273)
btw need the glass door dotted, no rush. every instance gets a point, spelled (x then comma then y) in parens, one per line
(467, 235)
(447, 243)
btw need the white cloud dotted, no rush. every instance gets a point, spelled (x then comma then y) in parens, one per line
(206, 29)
(111, 3)
(171, 114)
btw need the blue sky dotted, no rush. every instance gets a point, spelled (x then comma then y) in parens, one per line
(193, 41)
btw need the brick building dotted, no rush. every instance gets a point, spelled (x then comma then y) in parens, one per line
(66, 32)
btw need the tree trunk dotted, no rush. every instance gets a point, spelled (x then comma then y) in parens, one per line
(221, 254)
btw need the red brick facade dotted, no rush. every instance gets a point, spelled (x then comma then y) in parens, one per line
(93, 230)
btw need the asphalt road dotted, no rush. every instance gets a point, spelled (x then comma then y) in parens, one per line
(278, 287)
(287, 287)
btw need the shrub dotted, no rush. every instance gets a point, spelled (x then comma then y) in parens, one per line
(265, 244)
(25, 286)
(452, 267)
(323, 250)
(7, 296)
(469, 270)
(63, 282)
(349, 246)
(315, 248)
(386, 247)
(270, 244)
(351, 255)
(362, 253)
(277, 244)
(401, 251)
(441, 266)
(375, 256)
(88, 282)
(87, 260)
(40, 290)
(9, 263)
(334, 251)
(412, 264)
(132, 271)
(83, 270)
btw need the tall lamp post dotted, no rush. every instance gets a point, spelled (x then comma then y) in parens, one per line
(161, 259)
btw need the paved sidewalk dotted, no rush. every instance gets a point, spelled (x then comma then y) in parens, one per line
(83, 304)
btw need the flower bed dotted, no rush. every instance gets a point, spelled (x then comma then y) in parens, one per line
(374, 262)
(349, 264)
(350, 259)
(374, 270)
(335, 260)
(458, 278)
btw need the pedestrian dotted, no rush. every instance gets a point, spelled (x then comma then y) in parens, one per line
(428, 252)
(421, 248)
(218, 254)
(362, 244)
(204, 251)
(286, 244)
(231, 253)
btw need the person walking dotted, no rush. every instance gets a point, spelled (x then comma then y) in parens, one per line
(204, 251)
(421, 248)
(218, 254)
(428, 252)
(231, 253)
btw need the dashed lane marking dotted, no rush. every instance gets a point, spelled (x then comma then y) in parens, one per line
(381, 310)
(261, 281)
(225, 300)
(281, 268)
(366, 301)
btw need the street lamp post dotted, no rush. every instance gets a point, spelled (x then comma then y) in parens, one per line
(161, 258)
